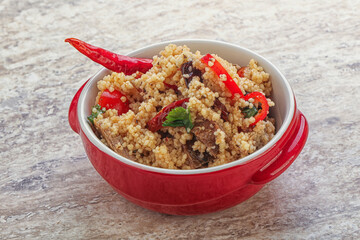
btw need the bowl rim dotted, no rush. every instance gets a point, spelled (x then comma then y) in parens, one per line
(86, 129)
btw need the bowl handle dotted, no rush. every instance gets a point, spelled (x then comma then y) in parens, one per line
(72, 116)
(287, 154)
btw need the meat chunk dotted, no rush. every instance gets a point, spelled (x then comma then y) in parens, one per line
(195, 158)
(113, 141)
(219, 106)
(204, 132)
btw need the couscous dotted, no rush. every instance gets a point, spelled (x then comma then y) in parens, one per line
(183, 112)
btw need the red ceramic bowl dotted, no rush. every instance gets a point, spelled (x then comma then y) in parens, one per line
(199, 191)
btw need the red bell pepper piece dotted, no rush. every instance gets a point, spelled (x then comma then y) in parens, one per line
(260, 98)
(231, 85)
(112, 100)
(218, 69)
(156, 122)
(114, 62)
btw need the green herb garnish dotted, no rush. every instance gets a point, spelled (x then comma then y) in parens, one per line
(95, 111)
(179, 117)
(250, 112)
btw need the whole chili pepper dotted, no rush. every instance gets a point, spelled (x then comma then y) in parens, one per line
(114, 62)
(231, 85)
(260, 98)
(156, 122)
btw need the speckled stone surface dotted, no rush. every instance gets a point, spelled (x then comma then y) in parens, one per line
(49, 189)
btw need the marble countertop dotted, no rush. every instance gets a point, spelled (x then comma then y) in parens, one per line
(48, 187)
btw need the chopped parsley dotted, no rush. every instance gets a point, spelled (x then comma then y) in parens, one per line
(95, 111)
(179, 117)
(250, 112)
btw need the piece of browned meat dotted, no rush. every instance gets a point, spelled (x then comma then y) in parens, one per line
(204, 132)
(219, 106)
(112, 141)
(195, 158)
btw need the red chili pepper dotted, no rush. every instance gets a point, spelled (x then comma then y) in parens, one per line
(234, 88)
(112, 100)
(156, 122)
(216, 66)
(260, 98)
(114, 62)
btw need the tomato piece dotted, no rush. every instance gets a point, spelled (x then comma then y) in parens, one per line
(112, 100)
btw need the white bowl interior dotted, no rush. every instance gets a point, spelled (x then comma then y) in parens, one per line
(282, 95)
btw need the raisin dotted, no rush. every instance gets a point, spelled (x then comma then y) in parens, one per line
(189, 71)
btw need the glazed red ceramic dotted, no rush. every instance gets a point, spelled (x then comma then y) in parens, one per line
(199, 191)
